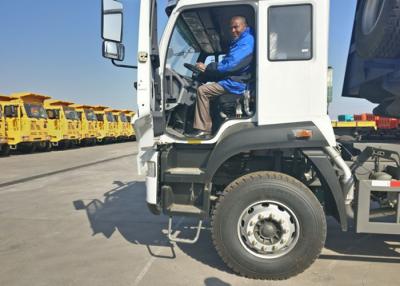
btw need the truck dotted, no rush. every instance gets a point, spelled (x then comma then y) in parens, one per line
(27, 122)
(272, 170)
(130, 131)
(64, 123)
(105, 124)
(4, 148)
(88, 119)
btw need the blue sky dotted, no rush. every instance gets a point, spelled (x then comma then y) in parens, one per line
(54, 48)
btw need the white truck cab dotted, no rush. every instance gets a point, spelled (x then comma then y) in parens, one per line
(272, 168)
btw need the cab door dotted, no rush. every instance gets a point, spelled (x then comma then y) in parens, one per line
(150, 122)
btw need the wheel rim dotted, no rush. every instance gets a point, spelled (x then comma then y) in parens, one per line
(268, 229)
(371, 14)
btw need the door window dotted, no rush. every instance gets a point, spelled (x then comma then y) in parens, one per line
(290, 33)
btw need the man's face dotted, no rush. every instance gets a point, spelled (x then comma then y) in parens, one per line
(237, 27)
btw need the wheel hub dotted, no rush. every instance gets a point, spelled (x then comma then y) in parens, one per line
(268, 229)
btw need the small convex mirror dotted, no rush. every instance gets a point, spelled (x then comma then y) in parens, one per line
(112, 21)
(113, 50)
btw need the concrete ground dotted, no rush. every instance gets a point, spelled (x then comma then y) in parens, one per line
(79, 217)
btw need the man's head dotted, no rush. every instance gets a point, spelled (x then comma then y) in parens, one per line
(238, 25)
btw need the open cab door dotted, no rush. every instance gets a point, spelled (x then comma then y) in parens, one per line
(150, 121)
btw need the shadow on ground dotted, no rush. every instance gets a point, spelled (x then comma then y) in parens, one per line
(124, 209)
(353, 246)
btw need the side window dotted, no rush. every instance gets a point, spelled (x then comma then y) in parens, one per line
(290, 33)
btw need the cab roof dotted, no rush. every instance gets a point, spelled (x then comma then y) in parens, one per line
(100, 108)
(82, 106)
(56, 102)
(6, 98)
(29, 95)
(127, 111)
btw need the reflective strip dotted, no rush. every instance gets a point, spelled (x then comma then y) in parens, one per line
(381, 183)
(387, 184)
(395, 184)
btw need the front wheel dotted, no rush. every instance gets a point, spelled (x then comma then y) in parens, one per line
(268, 225)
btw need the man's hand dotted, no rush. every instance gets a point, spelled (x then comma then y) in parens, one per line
(201, 66)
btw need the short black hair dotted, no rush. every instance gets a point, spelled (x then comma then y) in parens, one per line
(242, 18)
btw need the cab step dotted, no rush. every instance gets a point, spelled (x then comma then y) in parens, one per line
(186, 210)
(184, 175)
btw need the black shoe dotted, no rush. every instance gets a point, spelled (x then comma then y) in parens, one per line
(201, 134)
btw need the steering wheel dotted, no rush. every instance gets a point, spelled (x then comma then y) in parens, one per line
(192, 68)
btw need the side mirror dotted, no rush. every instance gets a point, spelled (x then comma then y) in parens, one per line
(112, 20)
(10, 111)
(113, 50)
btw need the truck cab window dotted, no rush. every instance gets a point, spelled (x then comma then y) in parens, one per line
(290, 33)
(182, 49)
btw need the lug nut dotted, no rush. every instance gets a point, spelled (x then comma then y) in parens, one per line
(260, 217)
(253, 243)
(249, 233)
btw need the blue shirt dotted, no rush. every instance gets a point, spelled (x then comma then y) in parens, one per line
(237, 64)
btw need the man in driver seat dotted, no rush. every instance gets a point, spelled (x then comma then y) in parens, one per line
(234, 69)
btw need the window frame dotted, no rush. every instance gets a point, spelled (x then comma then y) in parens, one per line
(311, 38)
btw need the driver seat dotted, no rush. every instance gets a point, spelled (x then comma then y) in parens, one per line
(232, 106)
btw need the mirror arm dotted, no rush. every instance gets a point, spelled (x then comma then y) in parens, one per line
(123, 66)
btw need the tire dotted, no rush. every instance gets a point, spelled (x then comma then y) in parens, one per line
(286, 196)
(377, 29)
(44, 146)
(5, 150)
(27, 148)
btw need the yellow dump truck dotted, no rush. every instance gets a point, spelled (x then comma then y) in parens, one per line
(120, 119)
(27, 122)
(4, 147)
(64, 123)
(129, 125)
(106, 125)
(88, 120)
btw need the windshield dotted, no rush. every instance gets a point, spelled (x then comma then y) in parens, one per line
(70, 113)
(110, 117)
(35, 110)
(100, 117)
(90, 116)
(53, 113)
(182, 49)
(123, 117)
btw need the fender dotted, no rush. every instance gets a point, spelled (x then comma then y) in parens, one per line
(322, 162)
(249, 137)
